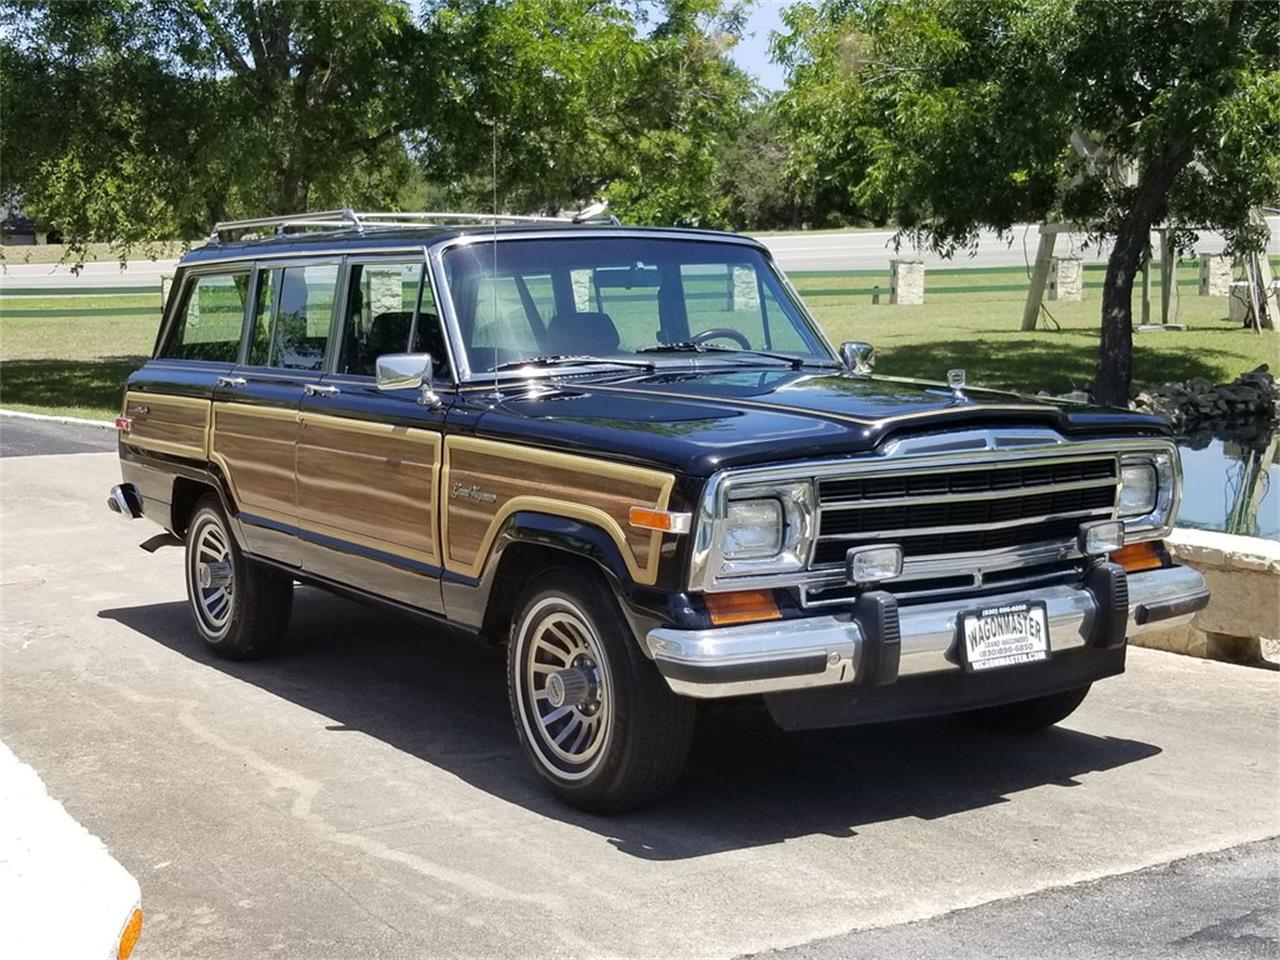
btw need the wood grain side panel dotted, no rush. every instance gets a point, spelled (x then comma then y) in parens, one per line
(596, 491)
(168, 424)
(254, 446)
(370, 483)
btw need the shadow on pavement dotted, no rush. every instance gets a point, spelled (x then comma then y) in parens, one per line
(748, 784)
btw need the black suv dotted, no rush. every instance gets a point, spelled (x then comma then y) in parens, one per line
(632, 457)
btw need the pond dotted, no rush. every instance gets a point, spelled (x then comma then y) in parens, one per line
(1232, 487)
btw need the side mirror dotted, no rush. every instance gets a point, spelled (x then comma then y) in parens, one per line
(857, 357)
(408, 371)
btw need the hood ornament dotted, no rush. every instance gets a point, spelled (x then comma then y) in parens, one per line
(955, 380)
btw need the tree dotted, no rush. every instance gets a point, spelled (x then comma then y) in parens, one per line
(125, 121)
(945, 116)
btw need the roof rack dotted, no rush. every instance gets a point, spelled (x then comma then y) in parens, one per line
(362, 220)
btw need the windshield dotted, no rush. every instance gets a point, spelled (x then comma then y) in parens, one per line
(559, 300)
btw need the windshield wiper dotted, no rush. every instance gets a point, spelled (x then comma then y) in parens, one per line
(693, 346)
(564, 359)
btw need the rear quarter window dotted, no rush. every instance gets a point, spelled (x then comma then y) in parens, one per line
(209, 319)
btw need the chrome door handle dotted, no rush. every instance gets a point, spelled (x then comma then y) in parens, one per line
(231, 381)
(315, 390)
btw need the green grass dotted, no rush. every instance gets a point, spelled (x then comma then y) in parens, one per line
(70, 355)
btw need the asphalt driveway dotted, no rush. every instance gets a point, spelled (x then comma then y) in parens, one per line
(362, 795)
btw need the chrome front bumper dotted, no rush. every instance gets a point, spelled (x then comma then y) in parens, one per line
(827, 650)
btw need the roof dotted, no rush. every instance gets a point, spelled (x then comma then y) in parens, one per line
(350, 240)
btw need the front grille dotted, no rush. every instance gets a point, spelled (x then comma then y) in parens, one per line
(941, 511)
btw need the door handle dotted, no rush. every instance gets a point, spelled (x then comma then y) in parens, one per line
(315, 390)
(231, 381)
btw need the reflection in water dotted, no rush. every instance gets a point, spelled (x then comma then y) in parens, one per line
(1232, 486)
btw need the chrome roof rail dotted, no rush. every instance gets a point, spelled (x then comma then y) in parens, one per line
(345, 217)
(360, 220)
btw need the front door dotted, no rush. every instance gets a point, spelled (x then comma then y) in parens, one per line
(368, 462)
(255, 424)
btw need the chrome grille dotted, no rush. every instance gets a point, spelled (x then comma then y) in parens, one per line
(937, 512)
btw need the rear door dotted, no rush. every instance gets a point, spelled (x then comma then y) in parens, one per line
(256, 407)
(368, 463)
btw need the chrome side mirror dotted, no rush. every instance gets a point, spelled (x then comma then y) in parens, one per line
(408, 371)
(857, 357)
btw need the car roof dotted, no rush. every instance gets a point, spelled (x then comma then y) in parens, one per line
(375, 239)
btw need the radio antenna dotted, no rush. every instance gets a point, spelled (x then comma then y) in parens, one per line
(495, 397)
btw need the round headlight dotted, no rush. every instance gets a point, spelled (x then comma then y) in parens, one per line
(753, 529)
(1139, 488)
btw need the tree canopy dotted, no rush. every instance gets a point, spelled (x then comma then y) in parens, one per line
(944, 116)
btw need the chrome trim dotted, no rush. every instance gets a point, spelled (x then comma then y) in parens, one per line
(843, 505)
(928, 634)
(119, 501)
(973, 449)
(901, 532)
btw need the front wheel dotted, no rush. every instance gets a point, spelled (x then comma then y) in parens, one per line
(241, 608)
(596, 720)
(1027, 716)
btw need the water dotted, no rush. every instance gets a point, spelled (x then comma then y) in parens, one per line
(1232, 487)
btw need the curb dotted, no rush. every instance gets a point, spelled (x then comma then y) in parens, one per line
(50, 418)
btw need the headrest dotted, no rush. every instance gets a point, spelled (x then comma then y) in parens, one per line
(587, 332)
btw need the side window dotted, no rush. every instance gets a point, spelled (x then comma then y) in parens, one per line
(293, 316)
(210, 319)
(381, 300)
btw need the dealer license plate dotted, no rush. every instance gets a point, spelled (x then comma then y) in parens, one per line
(1004, 636)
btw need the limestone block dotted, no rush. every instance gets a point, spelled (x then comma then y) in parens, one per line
(1066, 278)
(906, 281)
(1242, 573)
(1216, 274)
(746, 292)
(581, 280)
(166, 284)
(385, 292)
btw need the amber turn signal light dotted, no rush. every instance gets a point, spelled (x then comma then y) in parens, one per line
(664, 520)
(742, 606)
(129, 938)
(1137, 557)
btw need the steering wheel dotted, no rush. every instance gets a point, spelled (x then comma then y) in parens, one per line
(715, 333)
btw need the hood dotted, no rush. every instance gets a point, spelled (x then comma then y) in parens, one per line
(698, 422)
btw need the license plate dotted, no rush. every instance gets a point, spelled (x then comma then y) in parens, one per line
(1004, 636)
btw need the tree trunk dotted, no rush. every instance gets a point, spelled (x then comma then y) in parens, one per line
(294, 189)
(1148, 204)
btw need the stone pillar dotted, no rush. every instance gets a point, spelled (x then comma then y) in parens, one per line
(1216, 274)
(1066, 278)
(746, 292)
(166, 284)
(581, 280)
(386, 294)
(906, 281)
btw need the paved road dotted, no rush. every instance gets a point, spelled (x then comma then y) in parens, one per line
(1217, 906)
(363, 796)
(846, 250)
(20, 437)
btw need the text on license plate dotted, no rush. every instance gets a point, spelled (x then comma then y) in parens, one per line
(1004, 636)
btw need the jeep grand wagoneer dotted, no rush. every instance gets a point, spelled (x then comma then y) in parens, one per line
(632, 457)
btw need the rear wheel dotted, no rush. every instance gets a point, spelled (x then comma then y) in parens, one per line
(596, 720)
(241, 608)
(1027, 716)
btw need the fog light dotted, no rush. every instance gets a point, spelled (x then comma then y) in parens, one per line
(1101, 537)
(867, 565)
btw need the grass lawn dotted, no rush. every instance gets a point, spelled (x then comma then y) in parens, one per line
(70, 354)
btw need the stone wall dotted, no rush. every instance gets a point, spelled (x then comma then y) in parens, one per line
(1242, 621)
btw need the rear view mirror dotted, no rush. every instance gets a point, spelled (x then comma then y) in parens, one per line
(408, 371)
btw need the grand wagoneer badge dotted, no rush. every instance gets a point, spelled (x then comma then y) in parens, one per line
(462, 491)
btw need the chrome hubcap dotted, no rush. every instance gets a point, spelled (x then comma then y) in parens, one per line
(212, 575)
(566, 680)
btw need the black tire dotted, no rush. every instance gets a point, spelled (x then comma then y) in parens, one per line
(639, 747)
(251, 617)
(1027, 716)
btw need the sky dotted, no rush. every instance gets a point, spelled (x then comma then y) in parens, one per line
(752, 54)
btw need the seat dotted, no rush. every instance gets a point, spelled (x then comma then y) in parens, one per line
(388, 333)
(587, 332)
